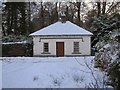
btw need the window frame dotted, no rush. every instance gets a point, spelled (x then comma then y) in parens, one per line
(76, 47)
(46, 48)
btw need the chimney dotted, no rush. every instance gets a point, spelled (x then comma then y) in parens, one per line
(62, 17)
(63, 6)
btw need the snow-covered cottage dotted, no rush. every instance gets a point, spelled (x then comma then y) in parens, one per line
(62, 39)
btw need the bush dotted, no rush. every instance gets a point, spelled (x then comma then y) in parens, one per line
(9, 50)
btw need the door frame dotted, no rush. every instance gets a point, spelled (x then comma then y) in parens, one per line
(60, 53)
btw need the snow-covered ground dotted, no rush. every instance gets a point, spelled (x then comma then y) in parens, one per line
(48, 72)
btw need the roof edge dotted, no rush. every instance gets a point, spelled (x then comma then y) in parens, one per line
(61, 35)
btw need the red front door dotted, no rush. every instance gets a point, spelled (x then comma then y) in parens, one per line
(59, 49)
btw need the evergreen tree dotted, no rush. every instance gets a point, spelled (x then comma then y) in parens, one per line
(108, 58)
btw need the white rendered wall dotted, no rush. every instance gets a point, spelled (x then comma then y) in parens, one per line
(85, 46)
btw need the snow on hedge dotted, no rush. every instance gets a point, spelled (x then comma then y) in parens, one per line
(48, 72)
(22, 42)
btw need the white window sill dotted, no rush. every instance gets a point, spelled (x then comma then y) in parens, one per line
(76, 53)
(45, 53)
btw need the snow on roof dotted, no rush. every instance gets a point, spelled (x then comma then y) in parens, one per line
(59, 28)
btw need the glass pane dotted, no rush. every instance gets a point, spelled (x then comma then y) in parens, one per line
(46, 47)
(76, 46)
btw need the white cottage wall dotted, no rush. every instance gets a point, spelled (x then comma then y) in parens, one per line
(85, 46)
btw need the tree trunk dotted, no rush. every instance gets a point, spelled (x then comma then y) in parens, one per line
(98, 8)
(79, 7)
(104, 8)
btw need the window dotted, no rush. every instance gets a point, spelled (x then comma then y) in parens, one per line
(46, 47)
(76, 47)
